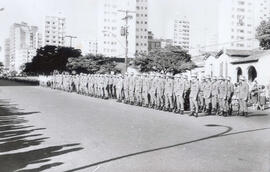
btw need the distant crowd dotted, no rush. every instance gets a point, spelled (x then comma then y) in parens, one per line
(178, 93)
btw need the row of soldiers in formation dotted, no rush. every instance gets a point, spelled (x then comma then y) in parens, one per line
(162, 92)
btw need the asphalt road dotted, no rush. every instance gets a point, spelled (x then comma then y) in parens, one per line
(44, 129)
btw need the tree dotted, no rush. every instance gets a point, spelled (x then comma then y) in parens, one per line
(51, 58)
(92, 64)
(170, 59)
(263, 34)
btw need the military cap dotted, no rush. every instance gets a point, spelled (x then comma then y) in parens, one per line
(193, 76)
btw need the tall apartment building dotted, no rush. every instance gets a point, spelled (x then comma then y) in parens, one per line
(87, 46)
(110, 25)
(141, 26)
(21, 45)
(7, 53)
(181, 35)
(93, 47)
(238, 20)
(55, 31)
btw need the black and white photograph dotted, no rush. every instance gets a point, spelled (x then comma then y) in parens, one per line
(135, 85)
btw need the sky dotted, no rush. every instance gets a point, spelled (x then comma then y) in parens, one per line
(81, 16)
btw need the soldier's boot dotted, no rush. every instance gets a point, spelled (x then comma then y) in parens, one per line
(197, 114)
(225, 114)
(246, 114)
(208, 111)
(182, 112)
(191, 114)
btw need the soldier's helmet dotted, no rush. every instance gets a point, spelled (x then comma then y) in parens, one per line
(194, 76)
(177, 76)
(220, 78)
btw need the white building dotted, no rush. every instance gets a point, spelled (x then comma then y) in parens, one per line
(54, 31)
(21, 46)
(234, 63)
(110, 26)
(7, 53)
(181, 35)
(87, 47)
(237, 22)
(93, 47)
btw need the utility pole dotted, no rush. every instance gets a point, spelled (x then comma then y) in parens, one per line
(126, 18)
(70, 37)
(96, 47)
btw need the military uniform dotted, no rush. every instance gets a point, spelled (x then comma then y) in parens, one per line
(152, 91)
(126, 88)
(223, 90)
(145, 89)
(243, 96)
(207, 94)
(229, 96)
(179, 89)
(194, 92)
(160, 92)
(201, 102)
(215, 92)
(138, 90)
(168, 93)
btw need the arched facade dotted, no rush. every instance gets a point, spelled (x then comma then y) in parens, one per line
(252, 73)
(239, 72)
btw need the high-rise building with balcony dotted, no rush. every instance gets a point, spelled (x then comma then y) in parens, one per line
(181, 32)
(21, 45)
(54, 31)
(238, 20)
(111, 24)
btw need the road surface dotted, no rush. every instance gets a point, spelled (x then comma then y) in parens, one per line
(50, 130)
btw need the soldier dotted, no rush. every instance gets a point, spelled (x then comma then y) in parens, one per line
(243, 96)
(194, 93)
(160, 92)
(207, 94)
(153, 89)
(229, 95)
(215, 86)
(168, 93)
(110, 86)
(115, 80)
(119, 88)
(105, 80)
(179, 89)
(138, 89)
(201, 102)
(126, 88)
(131, 88)
(223, 90)
(145, 89)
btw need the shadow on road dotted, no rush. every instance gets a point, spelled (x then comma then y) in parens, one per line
(221, 134)
(16, 134)
(9, 83)
(257, 115)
